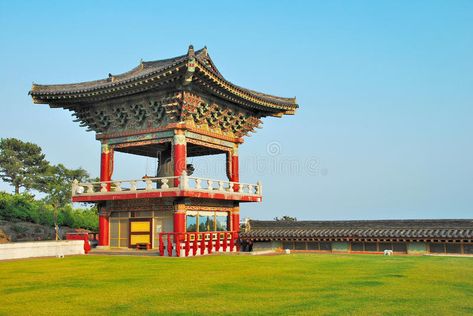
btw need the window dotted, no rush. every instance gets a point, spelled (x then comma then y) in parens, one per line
(437, 248)
(191, 223)
(114, 243)
(124, 233)
(468, 249)
(143, 214)
(114, 230)
(447, 248)
(453, 248)
(288, 245)
(379, 247)
(120, 214)
(371, 247)
(221, 222)
(356, 246)
(205, 221)
(326, 246)
(119, 232)
(399, 247)
(300, 245)
(385, 246)
(313, 245)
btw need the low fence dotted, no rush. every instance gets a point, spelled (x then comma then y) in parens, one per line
(41, 249)
(195, 244)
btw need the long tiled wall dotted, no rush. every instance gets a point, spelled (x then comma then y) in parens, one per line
(411, 248)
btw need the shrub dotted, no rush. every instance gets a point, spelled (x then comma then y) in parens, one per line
(23, 207)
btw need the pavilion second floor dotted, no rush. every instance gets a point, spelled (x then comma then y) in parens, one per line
(174, 178)
(166, 187)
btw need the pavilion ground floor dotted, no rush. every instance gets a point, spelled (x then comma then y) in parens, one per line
(173, 227)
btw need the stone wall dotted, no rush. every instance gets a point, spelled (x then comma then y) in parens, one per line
(41, 249)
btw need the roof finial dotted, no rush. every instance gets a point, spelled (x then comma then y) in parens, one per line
(205, 50)
(190, 51)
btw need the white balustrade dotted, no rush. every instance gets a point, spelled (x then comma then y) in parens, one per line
(209, 184)
(184, 180)
(103, 186)
(117, 186)
(90, 188)
(149, 184)
(166, 183)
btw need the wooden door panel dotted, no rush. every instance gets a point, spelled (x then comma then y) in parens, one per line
(140, 231)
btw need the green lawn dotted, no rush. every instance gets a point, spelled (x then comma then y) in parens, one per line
(286, 284)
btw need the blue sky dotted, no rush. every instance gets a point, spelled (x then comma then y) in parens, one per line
(385, 88)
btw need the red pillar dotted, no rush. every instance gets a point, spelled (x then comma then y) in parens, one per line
(233, 170)
(103, 228)
(179, 221)
(179, 154)
(236, 219)
(235, 177)
(106, 169)
(106, 164)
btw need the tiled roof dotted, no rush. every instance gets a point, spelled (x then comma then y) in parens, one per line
(399, 229)
(142, 70)
(205, 74)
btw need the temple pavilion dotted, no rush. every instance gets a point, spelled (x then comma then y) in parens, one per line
(168, 109)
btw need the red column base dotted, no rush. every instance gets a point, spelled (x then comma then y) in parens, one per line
(103, 230)
(179, 222)
(236, 222)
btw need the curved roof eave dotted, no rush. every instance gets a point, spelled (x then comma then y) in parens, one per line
(152, 70)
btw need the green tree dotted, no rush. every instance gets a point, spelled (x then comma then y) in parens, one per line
(56, 183)
(21, 163)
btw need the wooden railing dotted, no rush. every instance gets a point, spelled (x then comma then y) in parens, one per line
(197, 243)
(183, 182)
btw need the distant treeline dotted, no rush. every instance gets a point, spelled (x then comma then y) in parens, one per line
(23, 207)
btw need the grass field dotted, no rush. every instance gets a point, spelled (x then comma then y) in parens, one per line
(286, 284)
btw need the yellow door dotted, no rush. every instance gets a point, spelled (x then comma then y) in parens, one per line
(140, 231)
